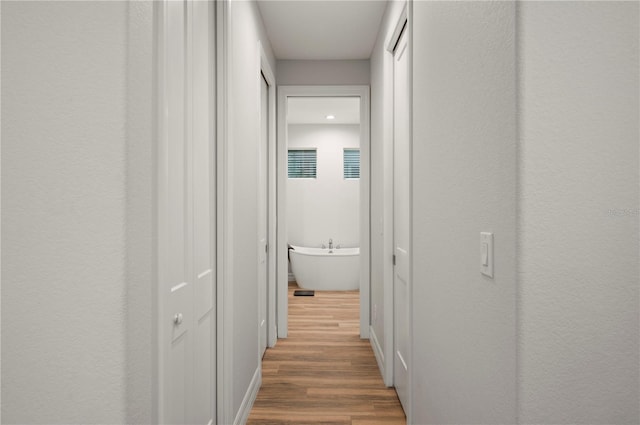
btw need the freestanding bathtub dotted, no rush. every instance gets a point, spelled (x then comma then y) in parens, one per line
(326, 269)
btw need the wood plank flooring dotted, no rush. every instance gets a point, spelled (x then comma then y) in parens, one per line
(323, 373)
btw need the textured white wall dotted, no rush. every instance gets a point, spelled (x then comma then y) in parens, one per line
(578, 224)
(141, 223)
(464, 157)
(317, 72)
(382, 169)
(64, 79)
(328, 206)
(244, 94)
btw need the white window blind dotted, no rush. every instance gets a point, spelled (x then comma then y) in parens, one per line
(352, 163)
(302, 163)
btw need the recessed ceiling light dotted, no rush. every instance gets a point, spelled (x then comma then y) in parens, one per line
(331, 117)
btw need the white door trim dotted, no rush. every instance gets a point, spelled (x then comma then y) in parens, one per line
(397, 31)
(282, 273)
(409, 6)
(404, 19)
(388, 304)
(224, 220)
(265, 68)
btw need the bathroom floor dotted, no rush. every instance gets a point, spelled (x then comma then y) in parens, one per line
(323, 373)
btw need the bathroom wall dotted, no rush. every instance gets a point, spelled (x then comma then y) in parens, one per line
(328, 206)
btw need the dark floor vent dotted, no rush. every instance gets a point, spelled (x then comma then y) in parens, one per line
(303, 293)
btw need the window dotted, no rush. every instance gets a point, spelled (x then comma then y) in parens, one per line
(352, 163)
(302, 163)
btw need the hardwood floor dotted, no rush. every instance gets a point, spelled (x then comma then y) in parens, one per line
(323, 373)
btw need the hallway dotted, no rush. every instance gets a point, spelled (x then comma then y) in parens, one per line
(499, 265)
(323, 372)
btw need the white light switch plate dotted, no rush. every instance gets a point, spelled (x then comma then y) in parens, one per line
(486, 253)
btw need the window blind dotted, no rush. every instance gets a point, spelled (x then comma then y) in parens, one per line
(352, 163)
(302, 163)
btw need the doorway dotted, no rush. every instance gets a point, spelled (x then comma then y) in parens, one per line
(263, 215)
(266, 187)
(401, 222)
(361, 95)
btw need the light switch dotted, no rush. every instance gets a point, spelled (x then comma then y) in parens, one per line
(486, 253)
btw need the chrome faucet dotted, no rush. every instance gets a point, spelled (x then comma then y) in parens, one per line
(330, 243)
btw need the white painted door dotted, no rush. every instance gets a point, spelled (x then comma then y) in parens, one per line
(401, 164)
(263, 190)
(177, 377)
(187, 316)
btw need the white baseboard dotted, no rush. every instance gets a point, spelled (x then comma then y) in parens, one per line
(377, 350)
(249, 398)
(292, 278)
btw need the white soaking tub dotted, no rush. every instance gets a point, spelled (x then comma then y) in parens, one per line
(325, 269)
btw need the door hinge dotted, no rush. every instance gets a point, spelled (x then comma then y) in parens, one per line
(266, 248)
(394, 259)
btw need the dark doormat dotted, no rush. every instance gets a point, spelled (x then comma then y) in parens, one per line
(303, 293)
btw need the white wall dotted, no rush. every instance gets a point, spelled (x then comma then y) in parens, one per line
(244, 125)
(140, 215)
(578, 223)
(382, 176)
(327, 206)
(318, 72)
(464, 158)
(64, 128)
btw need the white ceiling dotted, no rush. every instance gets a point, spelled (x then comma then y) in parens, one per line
(314, 110)
(322, 30)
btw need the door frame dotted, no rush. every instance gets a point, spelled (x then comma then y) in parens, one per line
(389, 342)
(264, 68)
(284, 92)
(402, 24)
(224, 218)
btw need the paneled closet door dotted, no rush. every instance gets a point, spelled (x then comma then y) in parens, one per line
(187, 314)
(178, 374)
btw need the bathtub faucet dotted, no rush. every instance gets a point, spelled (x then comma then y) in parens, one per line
(330, 243)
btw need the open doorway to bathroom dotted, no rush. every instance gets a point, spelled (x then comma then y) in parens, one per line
(323, 209)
